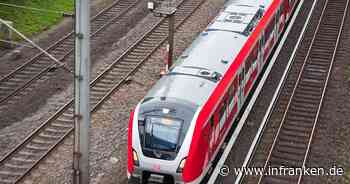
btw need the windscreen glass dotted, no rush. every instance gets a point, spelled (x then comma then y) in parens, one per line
(162, 133)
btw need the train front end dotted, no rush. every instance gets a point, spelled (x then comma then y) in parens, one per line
(157, 144)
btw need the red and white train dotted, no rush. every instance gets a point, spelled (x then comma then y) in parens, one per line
(177, 129)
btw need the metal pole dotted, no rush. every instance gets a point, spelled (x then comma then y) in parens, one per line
(171, 19)
(82, 90)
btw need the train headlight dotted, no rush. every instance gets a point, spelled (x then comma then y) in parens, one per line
(135, 158)
(181, 165)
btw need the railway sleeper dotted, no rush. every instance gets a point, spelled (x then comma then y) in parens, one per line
(292, 144)
(107, 82)
(22, 74)
(297, 134)
(138, 52)
(42, 140)
(49, 136)
(300, 122)
(287, 156)
(64, 120)
(315, 74)
(24, 160)
(321, 50)
(109, 76)
(306, 101)
(158, 35)
(308, 96)
(68, 114)
(310, 87)
(324, 58)
(134, 60)
(297, 107)
(58, 52)
(125, 67)
(302, 114)
(325, 38)
(120, 71)
(318, 66)
(292, 139)
(312, 78)
(130, 62)
(33, 70)
(147, 45)
(323, 64)
(60, 125)
(55, 130)
(103, 85)
(7, 173)
(274, 161)
(324, 45)
(16, 166)
(297, 128)
(97, 93)
(6, 181)
(38, 146)
(94, 100)
(102, 90)
(277, 179)
(66, 44)
(27, 153)
(151, 42)
(17, 80)
(10, 85)
(144, 49)
(291, 150)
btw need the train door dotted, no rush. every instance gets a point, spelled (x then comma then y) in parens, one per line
(215, 129)
(277, 23)
(241, 87)
(261, 52)
(209, 135)
(286, 10)
(233, 98)
(281, 15)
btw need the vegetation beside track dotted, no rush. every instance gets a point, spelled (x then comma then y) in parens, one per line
(347, 73)
(30, 22)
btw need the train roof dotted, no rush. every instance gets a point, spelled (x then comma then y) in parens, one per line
(198, 70)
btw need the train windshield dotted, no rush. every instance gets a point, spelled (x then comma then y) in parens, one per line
(162, 133)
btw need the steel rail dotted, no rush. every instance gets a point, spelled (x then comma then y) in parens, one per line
(297, 84)
(67, 38)
(97, 97)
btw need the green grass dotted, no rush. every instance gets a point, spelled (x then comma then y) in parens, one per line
(347, 73)
(30, 22)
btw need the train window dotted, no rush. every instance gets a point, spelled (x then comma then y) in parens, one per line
(247, 65)
(241, 77)
(270, 27)
(235, 85)
(212, 121)
(162, 133)
(251, 58)
(222, 113)
(231, 96)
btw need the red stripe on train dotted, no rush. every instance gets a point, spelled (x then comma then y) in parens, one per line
(195, 160)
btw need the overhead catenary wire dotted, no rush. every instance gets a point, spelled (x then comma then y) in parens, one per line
(38, 9)
(60, 64)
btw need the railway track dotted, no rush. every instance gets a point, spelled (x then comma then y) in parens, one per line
(18, 80)
(24, 157)
(289, 131)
